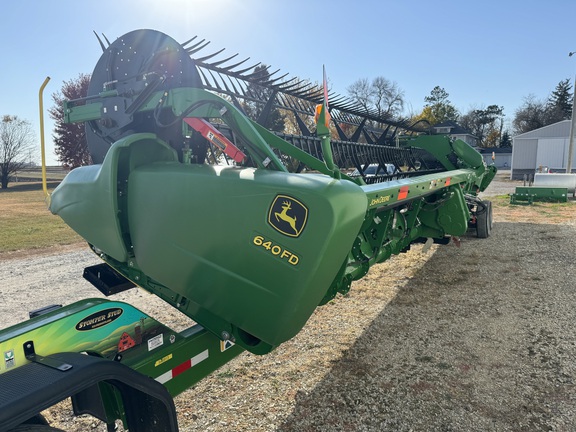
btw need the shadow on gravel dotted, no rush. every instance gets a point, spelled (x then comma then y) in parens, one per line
(481, 339)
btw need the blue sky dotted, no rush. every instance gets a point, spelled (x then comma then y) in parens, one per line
(481, 53)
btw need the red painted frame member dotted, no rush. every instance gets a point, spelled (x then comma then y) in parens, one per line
(215, 137)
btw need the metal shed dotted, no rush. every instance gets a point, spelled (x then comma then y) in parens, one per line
(501, 157)
(544, 149)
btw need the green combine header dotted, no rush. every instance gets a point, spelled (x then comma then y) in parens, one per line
(243, 229)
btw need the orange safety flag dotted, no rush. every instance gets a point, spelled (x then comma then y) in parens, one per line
(322, 116)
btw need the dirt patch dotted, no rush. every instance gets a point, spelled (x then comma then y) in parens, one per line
(32, 253)
(546, 213)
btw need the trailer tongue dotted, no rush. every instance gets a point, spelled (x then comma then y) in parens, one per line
(245, 230)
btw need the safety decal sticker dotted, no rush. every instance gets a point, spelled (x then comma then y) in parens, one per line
(9, 359)
(288, 216)
(227, 344)
(403, 193)
(172, 373)
(163, 360)
(155, 342)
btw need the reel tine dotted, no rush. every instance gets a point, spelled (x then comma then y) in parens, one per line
(209, 56)
(99, 41)
(247, 69)
(197, 47)
(304, 92)
(187, 42)
(219, 62)
(206, 81)
(229, 68)
(214, 80)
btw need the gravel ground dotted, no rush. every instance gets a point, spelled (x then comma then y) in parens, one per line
(481, 338)
(475, 338)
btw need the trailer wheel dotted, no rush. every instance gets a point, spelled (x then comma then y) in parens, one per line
(484, 221)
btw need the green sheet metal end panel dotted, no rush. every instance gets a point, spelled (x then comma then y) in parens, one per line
(256, 248)
(90, 197)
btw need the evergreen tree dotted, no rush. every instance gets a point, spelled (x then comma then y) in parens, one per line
(258, 97)
(485, 124)
(441, 108)
(559, 105)
(506, 140)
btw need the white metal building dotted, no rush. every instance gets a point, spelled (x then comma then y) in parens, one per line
(501, 157)
(545, 148)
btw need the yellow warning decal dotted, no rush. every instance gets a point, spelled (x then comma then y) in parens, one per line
(163, 360)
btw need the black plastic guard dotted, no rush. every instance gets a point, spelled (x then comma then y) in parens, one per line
(107, 280)
(29, 389)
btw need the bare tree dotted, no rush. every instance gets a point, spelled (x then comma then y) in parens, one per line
(361, 92)
(531, 115)
(535, 113)
(388, 97)
(382, 95)
(16, 146)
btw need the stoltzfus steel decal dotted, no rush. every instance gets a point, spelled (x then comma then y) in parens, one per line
(99, 319)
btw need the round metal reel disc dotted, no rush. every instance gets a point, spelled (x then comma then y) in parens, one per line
(122, 67)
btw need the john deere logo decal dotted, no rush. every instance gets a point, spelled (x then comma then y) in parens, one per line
(288, 215)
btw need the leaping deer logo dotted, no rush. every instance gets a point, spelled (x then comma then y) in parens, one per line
(287, 215)
(287, 205)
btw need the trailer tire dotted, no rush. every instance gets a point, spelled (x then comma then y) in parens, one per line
(484, 221)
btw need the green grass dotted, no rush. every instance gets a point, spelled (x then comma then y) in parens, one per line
(26, 222)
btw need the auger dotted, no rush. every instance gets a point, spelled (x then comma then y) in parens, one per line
(243, 229)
